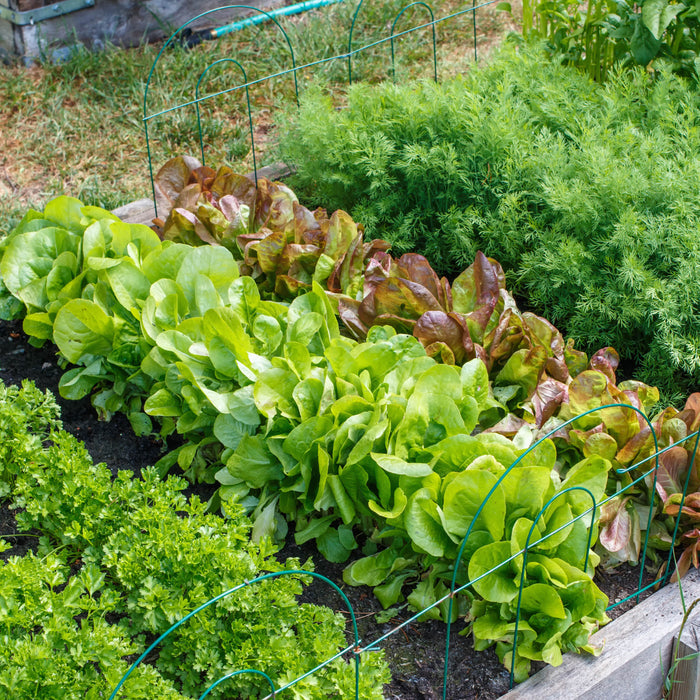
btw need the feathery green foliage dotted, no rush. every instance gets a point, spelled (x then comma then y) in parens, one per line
(586, 194)
(122, 560)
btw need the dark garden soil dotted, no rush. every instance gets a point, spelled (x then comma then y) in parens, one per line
(415, 653)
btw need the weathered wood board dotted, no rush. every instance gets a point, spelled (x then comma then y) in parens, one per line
(121, 22)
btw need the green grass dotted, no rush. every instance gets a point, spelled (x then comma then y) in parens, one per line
(76, 128)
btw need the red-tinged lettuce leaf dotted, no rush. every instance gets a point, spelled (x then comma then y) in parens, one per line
(576, 361)
(394, 299)
(578, 438)
(377, 269)
(343, 245)
(438, 330)
(274, 206)
(349, 312)
(374, 247)
(268, 251)
(541, 331)
(237, 215)
(692, 407)
(622, 423)
(298, 260)
(507, 337)
(442, 352)
(545, 333)
(213, 221)
(523, 368)
(641, 447)
(287, 287)
(548, 395)
(693, 404)
(417, 269)
(228, 183)
(606, 361)
(508, 426)
(349, 269)
(648, 395)
(587, 391)
(691, 506)
(308, 225)
(616, 524)
(190, 197)
(171, 179)
(690, 555)
(635, 448)
(180, 226)
(672, 471)
(476, 292)
(342, 232)
(620, 532)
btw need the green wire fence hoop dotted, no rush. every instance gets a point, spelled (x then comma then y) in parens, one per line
(432, 25)
(239, 673)
(352, 29)
(170, 40)
(250, 115)
(289, 572)
(527, 546)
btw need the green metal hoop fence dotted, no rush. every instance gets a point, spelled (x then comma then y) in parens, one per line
(356, 649)
(294, 69)
(169, 42)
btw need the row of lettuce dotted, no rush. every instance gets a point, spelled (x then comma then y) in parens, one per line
(120, 560)
(386, 437)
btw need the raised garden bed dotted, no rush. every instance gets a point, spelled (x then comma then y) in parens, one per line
(416, 392)
(629, 666)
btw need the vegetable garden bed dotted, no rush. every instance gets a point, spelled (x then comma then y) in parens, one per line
(341, 235)
(448, 451)
(415, 658)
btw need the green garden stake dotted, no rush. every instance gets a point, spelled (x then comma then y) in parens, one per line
(432, 26)
(352, 29)
(250, 115)
(476, 58)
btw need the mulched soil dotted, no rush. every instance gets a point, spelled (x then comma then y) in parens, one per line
(415, 653)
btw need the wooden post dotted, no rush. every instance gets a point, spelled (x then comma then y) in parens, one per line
(686, 675)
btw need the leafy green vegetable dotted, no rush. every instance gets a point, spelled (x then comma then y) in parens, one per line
(148, 555)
